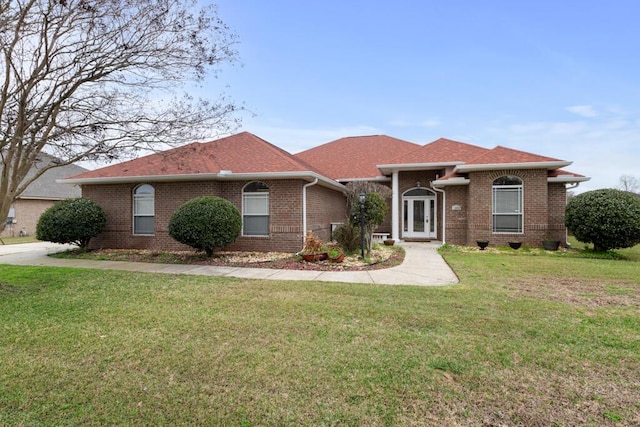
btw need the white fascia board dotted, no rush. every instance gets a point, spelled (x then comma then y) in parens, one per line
(498, 166)
(450, 181)
(227, 176)
(373, 179)
(415, 166)
(568, 179)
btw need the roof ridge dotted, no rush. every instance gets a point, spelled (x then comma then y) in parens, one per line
(290, 157)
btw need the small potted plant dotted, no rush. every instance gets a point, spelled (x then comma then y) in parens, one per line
(388, 242)
(312, 250)
(482, 244)
(335, 254)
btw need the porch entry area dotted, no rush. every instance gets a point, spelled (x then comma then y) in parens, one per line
(419, 213)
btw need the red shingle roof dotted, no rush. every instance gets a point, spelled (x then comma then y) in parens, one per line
(440, 151)
(508, 156)
(240, 153)
(355, 157)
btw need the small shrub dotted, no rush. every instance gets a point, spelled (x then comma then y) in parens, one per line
(74, 221)
(206, 223)
(348, 236)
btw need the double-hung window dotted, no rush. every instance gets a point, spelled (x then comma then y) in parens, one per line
(507, 205)
(255, 209)
(144, 210)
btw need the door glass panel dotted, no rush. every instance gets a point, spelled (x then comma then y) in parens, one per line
(418, 216)
(432, 216)
(405, 213)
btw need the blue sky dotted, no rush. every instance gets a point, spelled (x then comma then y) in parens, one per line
(557, 78)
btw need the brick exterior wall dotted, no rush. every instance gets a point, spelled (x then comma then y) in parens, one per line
(285, 213)
(27, 213)
(456, 232)
(557, 204)
(544, 205)
(324, 206)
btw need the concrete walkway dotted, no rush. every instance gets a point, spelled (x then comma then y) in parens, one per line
(422, 266)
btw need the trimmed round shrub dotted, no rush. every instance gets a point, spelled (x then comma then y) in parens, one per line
(608, 218)
(206, 223)
(74, 221)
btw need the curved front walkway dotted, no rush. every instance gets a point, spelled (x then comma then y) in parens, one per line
(422, 266)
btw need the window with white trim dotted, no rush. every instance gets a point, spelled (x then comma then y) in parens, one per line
(144, 210)
(507, 205)
(255, 209)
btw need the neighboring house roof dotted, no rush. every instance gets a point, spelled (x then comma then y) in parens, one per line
(240, 156)
(356, 157)
(45, 186)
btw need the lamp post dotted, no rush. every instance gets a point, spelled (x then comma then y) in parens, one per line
(362, 198)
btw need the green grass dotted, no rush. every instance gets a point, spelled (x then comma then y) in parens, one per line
(632, 254)
(525, 339)
(19, 240)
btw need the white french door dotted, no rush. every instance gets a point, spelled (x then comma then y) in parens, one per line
(419, 214)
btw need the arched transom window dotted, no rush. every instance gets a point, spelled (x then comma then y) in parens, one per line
(255, 209)
(144, 210)
(507, 205)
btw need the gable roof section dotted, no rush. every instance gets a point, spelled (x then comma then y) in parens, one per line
(240, 156)
(438, 153)
(355, 157)
(502, 157)
(441, 150)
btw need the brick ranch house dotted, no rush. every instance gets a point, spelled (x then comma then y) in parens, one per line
(445, 190)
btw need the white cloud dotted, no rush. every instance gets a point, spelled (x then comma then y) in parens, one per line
(583, 110)
(426, 123)
(430, 123)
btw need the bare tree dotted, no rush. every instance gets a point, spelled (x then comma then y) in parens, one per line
(629, 183)
(103, 79)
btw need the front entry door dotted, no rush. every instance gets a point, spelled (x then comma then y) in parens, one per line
(419, 214)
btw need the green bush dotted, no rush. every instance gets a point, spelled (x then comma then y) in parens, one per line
(608, 218)
(206, 223)
(71, 221)
(348, 237)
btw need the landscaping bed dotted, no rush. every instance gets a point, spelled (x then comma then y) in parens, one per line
(380, 257)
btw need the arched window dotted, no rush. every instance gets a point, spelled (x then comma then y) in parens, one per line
(507, 205)
(144, 210)
(255, 209)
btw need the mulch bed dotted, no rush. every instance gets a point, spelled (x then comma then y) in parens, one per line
(380, 258)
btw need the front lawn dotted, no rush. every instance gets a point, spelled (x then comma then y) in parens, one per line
(524, 339)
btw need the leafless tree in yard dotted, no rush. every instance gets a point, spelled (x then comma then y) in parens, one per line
(104, 79)
(629, 183)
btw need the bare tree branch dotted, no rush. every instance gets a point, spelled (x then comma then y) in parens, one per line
(629, 183)
(103, 79)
